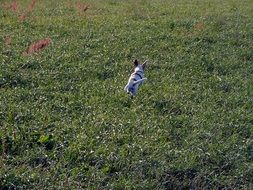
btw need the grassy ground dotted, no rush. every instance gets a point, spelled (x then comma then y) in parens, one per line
(66, 122)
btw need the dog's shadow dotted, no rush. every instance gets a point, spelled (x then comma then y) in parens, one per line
(128, 102)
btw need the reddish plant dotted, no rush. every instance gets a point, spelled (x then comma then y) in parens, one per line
(37, 46)
(199, 26)
(82, 7)
(13, 6)
(7, 40)
(31, 6)
(22, 17)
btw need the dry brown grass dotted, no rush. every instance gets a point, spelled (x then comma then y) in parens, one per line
(7, 40)
(37, 46)
(82, 7)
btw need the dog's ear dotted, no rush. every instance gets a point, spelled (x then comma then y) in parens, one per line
(136, 63)
(144, 64)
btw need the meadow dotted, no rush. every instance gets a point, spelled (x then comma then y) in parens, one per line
(66, 122)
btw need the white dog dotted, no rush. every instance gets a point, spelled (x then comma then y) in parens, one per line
(136, 78)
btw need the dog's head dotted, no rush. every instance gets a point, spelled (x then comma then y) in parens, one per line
(139, 66)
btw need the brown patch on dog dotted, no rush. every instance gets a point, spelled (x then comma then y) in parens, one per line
(136, 63)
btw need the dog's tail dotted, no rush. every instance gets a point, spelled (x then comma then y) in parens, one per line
(139, 81)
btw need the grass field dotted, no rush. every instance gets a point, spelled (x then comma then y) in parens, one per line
(66, 122)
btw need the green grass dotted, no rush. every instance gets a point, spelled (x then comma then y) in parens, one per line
(66, 122)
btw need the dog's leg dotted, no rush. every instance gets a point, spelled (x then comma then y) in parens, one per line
(140, 81)
(126, 88)
(145, 62)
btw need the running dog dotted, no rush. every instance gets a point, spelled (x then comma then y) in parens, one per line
(136, 78)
